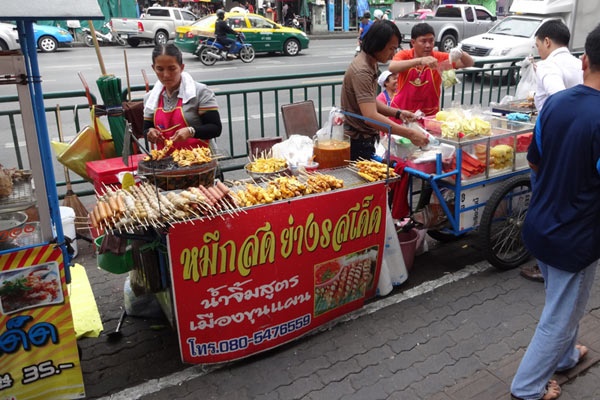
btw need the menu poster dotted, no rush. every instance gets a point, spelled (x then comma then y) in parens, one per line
(38, 347)
(260, 277)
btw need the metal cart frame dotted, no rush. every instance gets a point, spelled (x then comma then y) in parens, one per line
(503, 196)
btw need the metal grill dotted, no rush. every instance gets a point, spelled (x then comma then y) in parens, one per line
(476, 51)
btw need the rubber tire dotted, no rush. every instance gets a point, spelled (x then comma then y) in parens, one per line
(3, 46)
(247, 54)
(291, 47)
(448, 42)
(120, 41)
(205, 58)
(499, 230)
(161, 37)
(133, 42)
(47, 44)
(88, 40)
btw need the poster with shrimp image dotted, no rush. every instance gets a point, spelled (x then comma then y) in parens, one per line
(344, 279)
(254, 280)
(38, 348)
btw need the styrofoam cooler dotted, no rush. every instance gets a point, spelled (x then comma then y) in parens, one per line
(67, 217)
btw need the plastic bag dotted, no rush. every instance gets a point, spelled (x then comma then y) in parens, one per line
(85, 147)
(334, 127)
(527, 84)
(297, 149)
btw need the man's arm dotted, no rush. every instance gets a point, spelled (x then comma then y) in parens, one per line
(550, 77)
(369, 110)
(464, 60)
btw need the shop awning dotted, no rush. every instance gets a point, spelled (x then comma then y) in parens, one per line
(51, 9)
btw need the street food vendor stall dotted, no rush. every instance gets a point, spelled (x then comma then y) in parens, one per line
(256, 264)
(40, 358)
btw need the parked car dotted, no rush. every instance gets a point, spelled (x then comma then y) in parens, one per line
(421, 13)
(514, 36)
(9, 38)
(47, 37)
(156, 26)
(452, 23)
(264, 34)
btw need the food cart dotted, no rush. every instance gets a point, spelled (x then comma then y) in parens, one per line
(483, 185)
(254, 264)
(40, 357)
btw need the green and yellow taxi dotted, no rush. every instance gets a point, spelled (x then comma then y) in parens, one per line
(264, 34)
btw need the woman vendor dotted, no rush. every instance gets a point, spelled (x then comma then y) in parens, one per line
(178, 108)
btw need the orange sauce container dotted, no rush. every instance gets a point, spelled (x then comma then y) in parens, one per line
(331, 153)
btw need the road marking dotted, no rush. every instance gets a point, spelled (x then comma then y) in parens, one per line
(196, 371)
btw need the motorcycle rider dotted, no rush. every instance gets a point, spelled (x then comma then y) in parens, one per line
(221, 31)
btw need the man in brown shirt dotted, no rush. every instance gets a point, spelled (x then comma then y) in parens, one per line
(359, 92)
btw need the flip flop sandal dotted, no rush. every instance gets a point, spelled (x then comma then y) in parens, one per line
(548, 388)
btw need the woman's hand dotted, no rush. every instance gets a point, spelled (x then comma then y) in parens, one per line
(155, 136)
(183, 134)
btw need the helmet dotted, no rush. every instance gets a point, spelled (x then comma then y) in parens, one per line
(220, 14)
(367, 14)
(378, 14)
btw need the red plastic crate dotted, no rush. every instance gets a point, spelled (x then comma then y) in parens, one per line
(104, 172)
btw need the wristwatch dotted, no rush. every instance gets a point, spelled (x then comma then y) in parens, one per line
(398, 114)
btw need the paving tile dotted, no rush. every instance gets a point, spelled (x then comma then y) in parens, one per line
(483, 385)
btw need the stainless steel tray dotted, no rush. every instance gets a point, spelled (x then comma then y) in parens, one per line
(21, 197)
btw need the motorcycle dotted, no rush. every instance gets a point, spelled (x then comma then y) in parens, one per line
(111, 37)
(293, 22)
(209, 51)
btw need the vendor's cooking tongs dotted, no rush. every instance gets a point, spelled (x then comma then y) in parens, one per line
(140, 145)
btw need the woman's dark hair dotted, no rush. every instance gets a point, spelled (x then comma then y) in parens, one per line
(167, 50)
(592, 49)
(378, 36)
(554, 30)
(421, 29)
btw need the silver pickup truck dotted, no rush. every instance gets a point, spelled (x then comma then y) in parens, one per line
(451, 23)
(157, 25)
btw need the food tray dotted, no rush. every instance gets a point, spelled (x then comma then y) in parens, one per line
(522, 106)
(168, 176)
(266, 175)
(21, 197)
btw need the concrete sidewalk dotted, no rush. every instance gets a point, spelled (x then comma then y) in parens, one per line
(458, 335)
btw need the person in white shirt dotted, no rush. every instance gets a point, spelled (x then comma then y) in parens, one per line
(559, 69)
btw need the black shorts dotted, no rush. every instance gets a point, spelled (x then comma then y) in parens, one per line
(362, 148)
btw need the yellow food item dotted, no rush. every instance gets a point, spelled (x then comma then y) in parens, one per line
(442, 115)
(501, 156)
(267, 165)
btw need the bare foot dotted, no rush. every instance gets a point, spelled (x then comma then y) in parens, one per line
(552, 391)
(582, 351)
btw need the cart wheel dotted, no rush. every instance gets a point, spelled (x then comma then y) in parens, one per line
(502, 222)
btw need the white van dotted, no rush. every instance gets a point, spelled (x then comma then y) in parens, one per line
(514, 36)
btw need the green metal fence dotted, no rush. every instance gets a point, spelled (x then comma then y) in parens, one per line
(250, 107)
